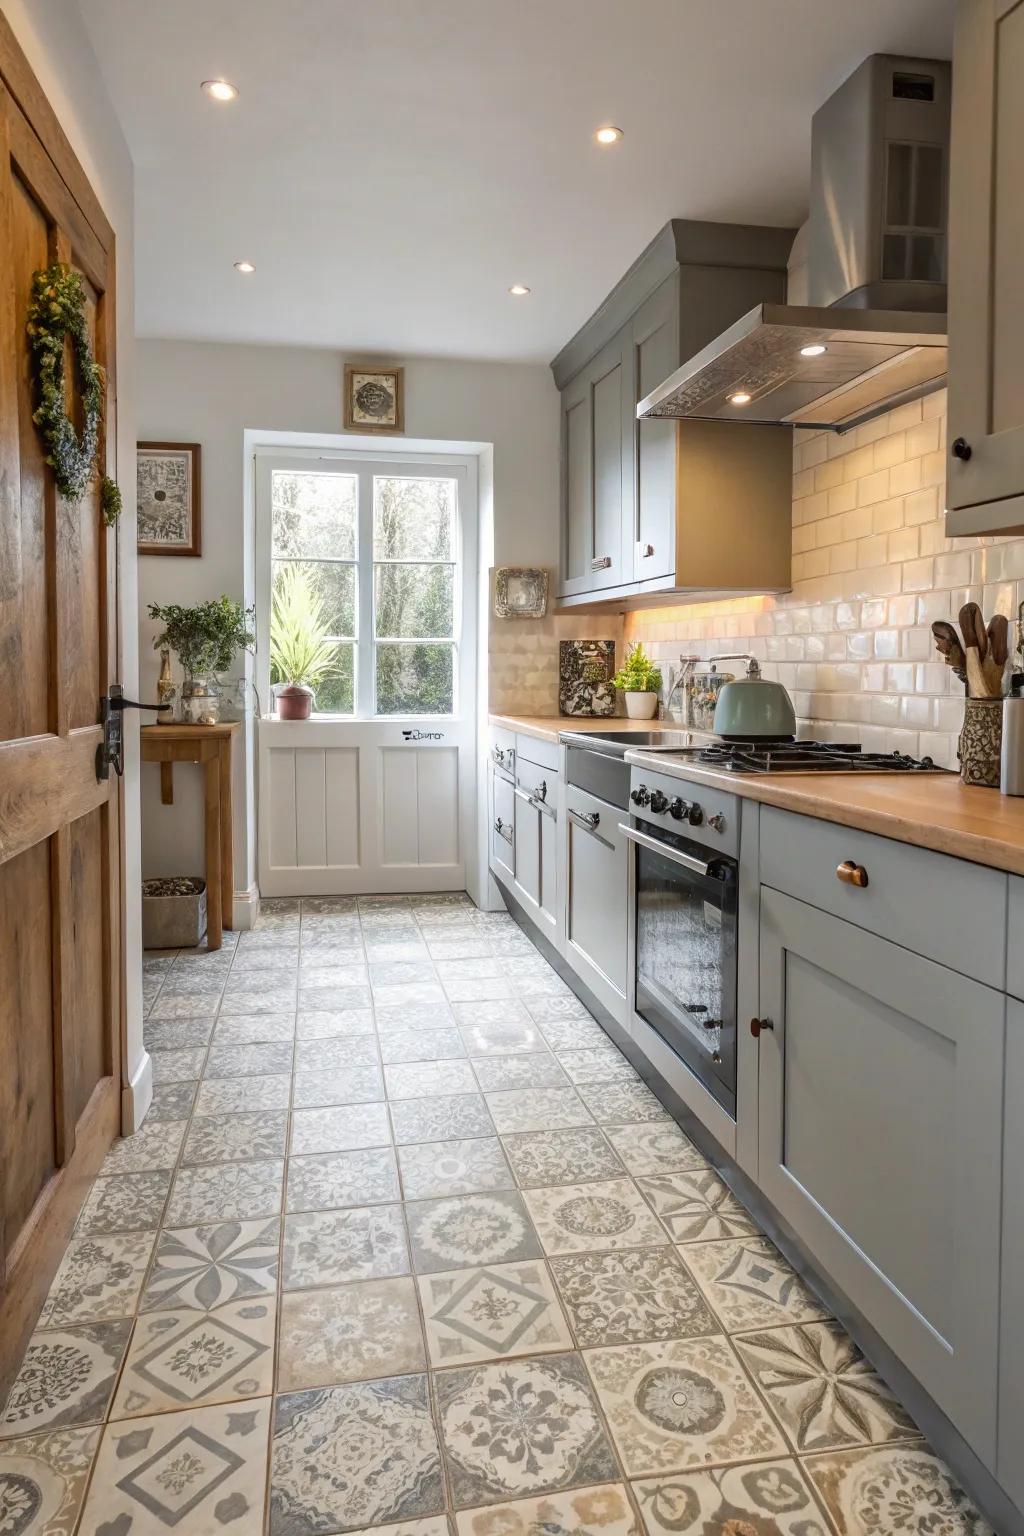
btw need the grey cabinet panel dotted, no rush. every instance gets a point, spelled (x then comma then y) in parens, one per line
(536, 848)
(503, 824)
(542, 754)
(597, 488)
(597, 892)
(656, 354)
(1010, 1459)
(880, 1133)
(986, 276)
(527, 850)
(577, 489)
(1015, 938)
(800, 855)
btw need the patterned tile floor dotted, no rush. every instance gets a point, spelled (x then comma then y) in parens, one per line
(405, 1244)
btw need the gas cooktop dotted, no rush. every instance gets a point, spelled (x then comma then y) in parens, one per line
(803, 757)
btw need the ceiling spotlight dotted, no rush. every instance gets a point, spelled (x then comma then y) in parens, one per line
(739, 398)
(519, 290)
(608, 135)
(220, 90)
(245, 266)
(815, 349)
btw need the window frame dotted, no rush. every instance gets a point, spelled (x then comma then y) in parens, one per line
(366, 467)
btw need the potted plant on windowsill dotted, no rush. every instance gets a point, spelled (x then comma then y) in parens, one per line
(302, 654)
(205, 638)
(640, 680)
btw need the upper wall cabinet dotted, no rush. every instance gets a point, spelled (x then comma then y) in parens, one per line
(985, 482)
(643, 503)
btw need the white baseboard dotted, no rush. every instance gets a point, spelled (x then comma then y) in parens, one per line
(245, 908)
(137, 1096)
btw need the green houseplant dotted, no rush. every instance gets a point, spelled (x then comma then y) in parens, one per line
(302, 654)
(205, 638)
(640, 680)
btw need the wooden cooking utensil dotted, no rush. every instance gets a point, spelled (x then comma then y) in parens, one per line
(973, 627)
(999, 638)
(947, 643)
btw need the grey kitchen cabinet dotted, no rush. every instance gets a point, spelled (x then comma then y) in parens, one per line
(880, 1096)
(536, 844)
(597, 470)
(503, 823)
(596, 898)
(629, 521)
(1010, 1459)
(985, 452)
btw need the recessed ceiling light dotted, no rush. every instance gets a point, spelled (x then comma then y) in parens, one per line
(519, 290)
(220, 90)
(740, 398)
(814, 350)
(609, 134)
(244, 266)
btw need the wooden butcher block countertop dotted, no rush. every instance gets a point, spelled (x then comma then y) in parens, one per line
(930, 810)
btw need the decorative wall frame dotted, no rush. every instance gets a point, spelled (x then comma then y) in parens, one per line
(520, 592)
(374, 398)
(170, 503)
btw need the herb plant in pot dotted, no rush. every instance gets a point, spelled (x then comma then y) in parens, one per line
(640, 680)
(205, 638)
(302, 654)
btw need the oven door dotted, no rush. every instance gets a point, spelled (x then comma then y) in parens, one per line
(685, 918)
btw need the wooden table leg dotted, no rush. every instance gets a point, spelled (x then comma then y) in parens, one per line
(167, 783)
(227, 856)
(214, 897)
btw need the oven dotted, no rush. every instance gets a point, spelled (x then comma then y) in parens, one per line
(684, 918)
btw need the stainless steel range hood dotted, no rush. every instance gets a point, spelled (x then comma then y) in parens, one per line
(876, 268)
(872, 360)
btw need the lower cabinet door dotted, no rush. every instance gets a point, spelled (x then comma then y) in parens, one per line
(528, 820)
(881, 1107)
(503, 825)
(549, 867)
(1010, 1465)
(596, 905)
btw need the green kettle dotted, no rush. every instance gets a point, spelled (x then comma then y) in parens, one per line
(752, 709)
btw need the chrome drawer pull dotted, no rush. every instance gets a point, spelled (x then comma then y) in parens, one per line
(852, 874)
(646, 551)
(589, 820)
(602, 563)
(541, 792)
(503, 830)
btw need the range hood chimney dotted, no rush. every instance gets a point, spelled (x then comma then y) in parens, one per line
(873, 333)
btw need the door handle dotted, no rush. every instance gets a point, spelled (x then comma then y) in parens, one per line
(852, 874)
(602, 563)
(757, 1025)
(110, 752)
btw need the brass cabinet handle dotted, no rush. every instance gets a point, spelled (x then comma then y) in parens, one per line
(852, 874)
(756, 1026)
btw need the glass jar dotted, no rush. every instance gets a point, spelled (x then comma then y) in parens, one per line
(200, 699)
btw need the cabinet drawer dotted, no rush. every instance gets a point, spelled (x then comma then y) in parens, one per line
(1015, 938)
(539, 785)
(946, 909)
(503, 749)
(598, 888)
(543, 754)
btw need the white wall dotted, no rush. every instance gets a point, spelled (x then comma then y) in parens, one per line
(57, 47)
(210, 393)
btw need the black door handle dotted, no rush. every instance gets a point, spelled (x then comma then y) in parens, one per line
(117, 701)
(110, 752)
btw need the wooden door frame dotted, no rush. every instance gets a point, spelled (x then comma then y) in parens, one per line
(47, 162)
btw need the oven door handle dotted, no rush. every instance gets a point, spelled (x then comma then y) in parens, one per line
(699, 866)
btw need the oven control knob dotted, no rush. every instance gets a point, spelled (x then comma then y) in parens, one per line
(695, 815)
(640, 795)
(717, 821)
(678, 809)
(658, 802)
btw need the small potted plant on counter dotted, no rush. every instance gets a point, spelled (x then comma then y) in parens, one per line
(302, 654)
(640, 680)
(205, 639)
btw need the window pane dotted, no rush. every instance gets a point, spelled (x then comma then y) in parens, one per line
(414, 601)
(335, 695)
(413, 519)
(313, 514)
(332, 592)
(415, 679)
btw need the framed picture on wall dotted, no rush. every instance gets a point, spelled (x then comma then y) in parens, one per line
(169, 499)
(374, 399)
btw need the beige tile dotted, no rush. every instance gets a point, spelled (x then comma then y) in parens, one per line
(185, 1359)
(356, 1332)
(579, 1218)
(43, 1479)
(493, 1313)
(893, 1488)
(750, 1285)
(604, 1508)
(771, 1498)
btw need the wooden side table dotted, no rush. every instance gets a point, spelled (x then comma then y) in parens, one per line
(209, 746)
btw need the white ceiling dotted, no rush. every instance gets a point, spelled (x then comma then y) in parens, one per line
(391, 166)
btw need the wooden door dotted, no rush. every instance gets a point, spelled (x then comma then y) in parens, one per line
(60, 924)
(986, 276)
(881, 1108)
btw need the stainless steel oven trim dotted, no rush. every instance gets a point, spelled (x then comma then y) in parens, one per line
(655, 844)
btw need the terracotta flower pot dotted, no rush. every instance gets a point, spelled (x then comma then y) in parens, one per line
(294, 702)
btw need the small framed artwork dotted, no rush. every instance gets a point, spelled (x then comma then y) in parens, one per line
(169, 499)
(374, 399)
(520, 592)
